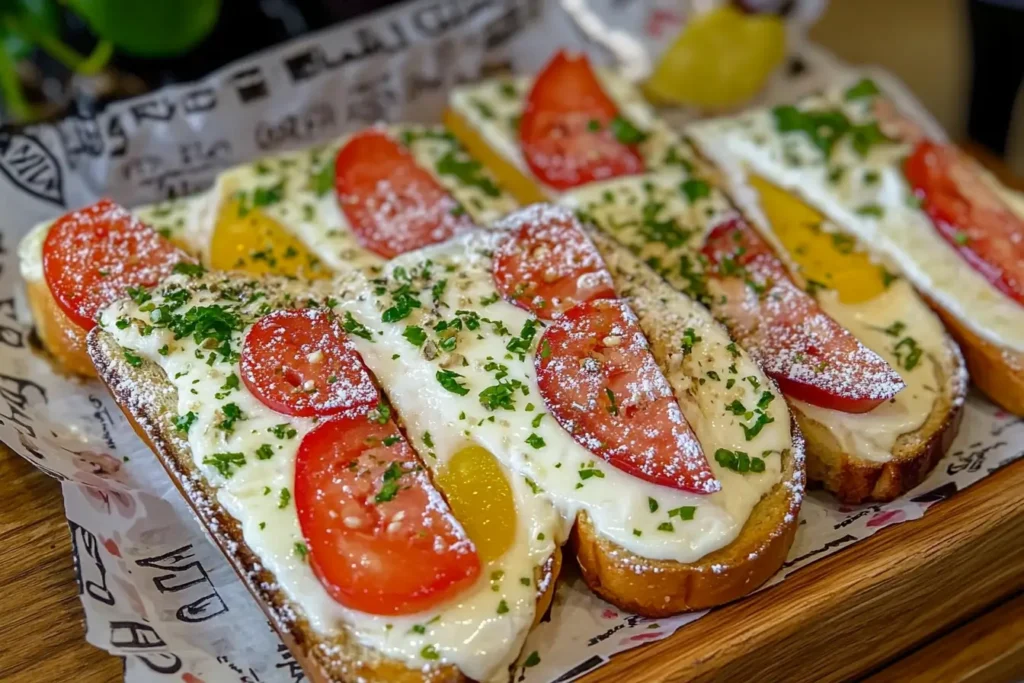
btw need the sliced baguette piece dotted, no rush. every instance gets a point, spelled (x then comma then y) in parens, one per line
(656, 587)
(149, 400)
(853, 479)
(833, 461)
(985, 322)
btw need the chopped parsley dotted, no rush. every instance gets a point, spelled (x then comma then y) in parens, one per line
(872, 210)
(625, 132)
(415, 335)
(908, 353)
(689, 339)
(450, 381)
(666, 526)
(532, 660)
(590, 472)
(468, 171)
(865, 87)
(502, 607)
(613, 407)
(694, 189)
(189, 269)
(738, 461)
(283, 431)
(132, 359)
(353, 326)
(225, 462)
(301, 550)
(389, 489)
(265, 452)
(232, 413)
(751, 431)
(322, 181)
(182, 423)
(685, 513)
(535, 441)
(652, 504)
(283, 498)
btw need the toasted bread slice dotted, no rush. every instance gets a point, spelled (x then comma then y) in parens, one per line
(660, 587)
(864, 186)
(997, 370)
(150, 401)
(877, 455)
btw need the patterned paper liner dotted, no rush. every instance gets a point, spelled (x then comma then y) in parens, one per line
(155, 589)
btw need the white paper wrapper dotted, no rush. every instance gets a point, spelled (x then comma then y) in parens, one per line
(155, 589)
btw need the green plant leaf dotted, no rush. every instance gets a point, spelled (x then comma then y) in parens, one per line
(150, 28)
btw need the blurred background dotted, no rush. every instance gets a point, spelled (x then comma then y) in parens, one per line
(962, 58)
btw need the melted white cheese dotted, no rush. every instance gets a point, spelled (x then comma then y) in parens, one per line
(618, 504)
(467, 632)
(902, 234)
(30, 253)
(493, 109)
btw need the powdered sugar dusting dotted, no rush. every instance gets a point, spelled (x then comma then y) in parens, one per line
(813, 357)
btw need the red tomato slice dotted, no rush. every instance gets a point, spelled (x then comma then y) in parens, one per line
(969, 215)
(299, 362)
(93, 255)
(600, 381)
(811, 356)
(392, 204)
(548, 264)
(566, 128)
(381, 538)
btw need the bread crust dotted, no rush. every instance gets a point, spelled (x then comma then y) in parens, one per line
(996, 370)
(657, 588)
(854, 480)
(62, 338)
(149, 401)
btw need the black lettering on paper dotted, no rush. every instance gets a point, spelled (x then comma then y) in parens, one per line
(371, 101)
(184, 572)
(14, 392)
(835, 543)
(300, 127)
(156, 109)
(118, 138)
(11, 335)
(90, 573)
(80, 137)
(31, 166)
(199, 100)
(288, 662)
(161, 662)
(250, 84)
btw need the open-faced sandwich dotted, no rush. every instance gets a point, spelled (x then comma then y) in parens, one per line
(392, 461)
(303, 214)
(869, 373)
(920, 205)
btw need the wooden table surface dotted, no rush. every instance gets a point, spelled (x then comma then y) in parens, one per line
(941, 598)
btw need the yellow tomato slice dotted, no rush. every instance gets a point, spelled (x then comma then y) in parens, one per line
(524, 188)
(481, 499)
(253, 242)
(829, 258)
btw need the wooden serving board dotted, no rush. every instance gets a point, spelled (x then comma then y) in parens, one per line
(840, 618)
